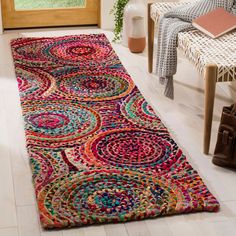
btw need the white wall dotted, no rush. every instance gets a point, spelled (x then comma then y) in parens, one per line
(107, 20)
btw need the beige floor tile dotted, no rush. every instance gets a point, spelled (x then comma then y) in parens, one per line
(7, 199)
(137, 228)
(180, 228)
(115, 230)
(9, 232)
(52, 233)
(5, 55)
(97, 230)
(158, 227)
(28, 224)
(222, 228)
(73, 232)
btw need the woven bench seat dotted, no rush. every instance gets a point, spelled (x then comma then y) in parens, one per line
(202, 50)
(215, 59)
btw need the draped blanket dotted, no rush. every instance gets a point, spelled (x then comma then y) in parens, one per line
(174, 21)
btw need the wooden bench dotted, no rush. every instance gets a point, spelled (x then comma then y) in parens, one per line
(215, 59)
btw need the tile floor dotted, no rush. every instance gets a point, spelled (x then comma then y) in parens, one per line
(183, 116)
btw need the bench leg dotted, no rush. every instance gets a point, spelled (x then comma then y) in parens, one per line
(150, 39)
(210, 85)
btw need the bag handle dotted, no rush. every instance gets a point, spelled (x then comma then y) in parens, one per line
(233, 111)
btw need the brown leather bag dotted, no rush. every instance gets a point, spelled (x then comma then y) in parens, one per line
(225, 150)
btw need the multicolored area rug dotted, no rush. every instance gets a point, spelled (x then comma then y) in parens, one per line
(98, 152)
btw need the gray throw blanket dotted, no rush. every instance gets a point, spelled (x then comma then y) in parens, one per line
(170, 25)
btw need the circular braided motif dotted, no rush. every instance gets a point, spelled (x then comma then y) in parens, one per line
(92, 51)
(46, 166)
(136, 109)
(34, 84)
(131, 148)
(94, 85)
(105, 195)
(71, 50)
(52, 124)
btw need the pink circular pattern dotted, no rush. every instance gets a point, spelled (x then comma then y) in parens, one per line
(106, 195)
(34, 84)
(49, 120)
(136, 109)
(68, 51)
(51, 124)
(132, 148)
(94, 85)
(73, 51)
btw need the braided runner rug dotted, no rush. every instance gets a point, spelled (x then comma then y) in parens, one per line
(97, 150)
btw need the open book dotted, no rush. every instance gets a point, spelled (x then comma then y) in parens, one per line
(215, 23)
